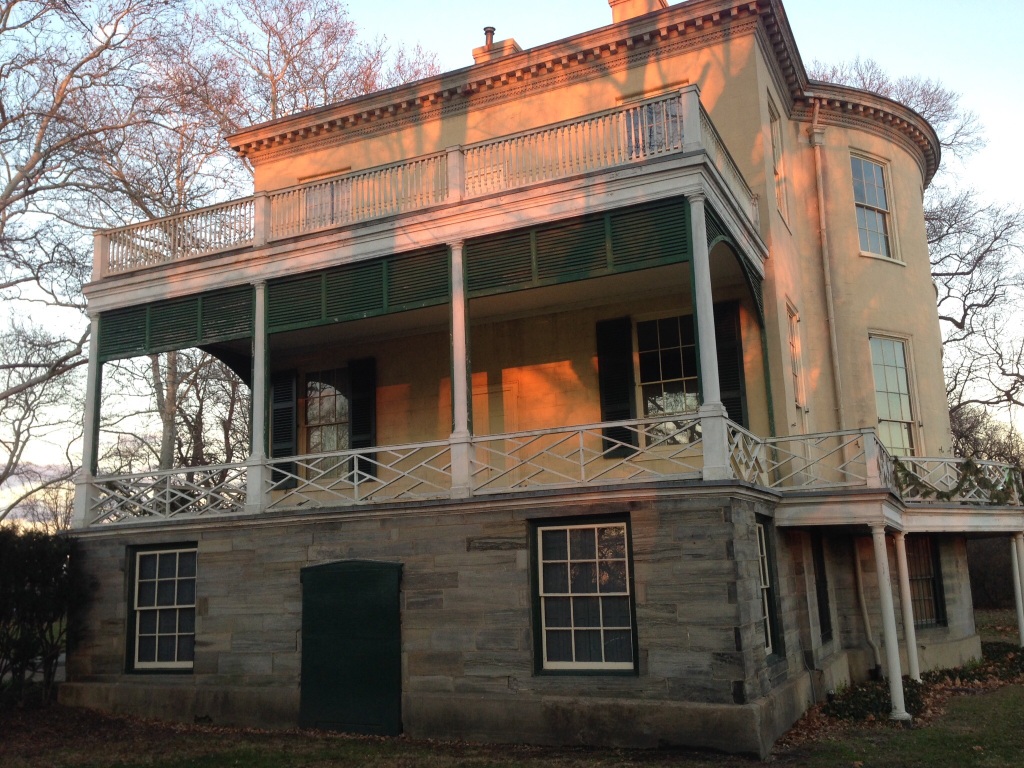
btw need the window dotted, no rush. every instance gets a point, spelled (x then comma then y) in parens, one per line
(925, 574)
(585, 610)
(766, 573)
(667, 368)
(872, 204)
(796, 366)
(164, 607)
(892, 395)
(780, 178)
(327, 411)
(821, 588)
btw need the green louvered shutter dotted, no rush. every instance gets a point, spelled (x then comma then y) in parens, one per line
(363, 416)
(173, 324)
(417, 280)
(653, 234)
(122, 333)
(729, 346)
(227, 315)
(355, 291)
(571, 250)
(616, 382)
(283, 420)
(295, 302)
(501, 262)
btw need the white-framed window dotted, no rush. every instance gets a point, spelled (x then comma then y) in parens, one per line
(667, 377)
(893, 395)
(584, 597)
(871, 201)
(795, 359)
(765, 577)
(164, 607)
(775, 124)
(327, 411)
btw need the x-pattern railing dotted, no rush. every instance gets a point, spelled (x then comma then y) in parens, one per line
(593, 454)
(964, 481)
(420, 471)
(825, 459)
(192, 492)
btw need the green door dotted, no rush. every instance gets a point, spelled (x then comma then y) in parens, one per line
(351, 648)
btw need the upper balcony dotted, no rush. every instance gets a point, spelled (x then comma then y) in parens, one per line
(636, 136)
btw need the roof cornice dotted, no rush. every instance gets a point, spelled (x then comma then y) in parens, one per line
(552, 62)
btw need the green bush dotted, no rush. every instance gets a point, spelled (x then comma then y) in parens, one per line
(38, 588)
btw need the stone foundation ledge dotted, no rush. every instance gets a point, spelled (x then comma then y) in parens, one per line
(270, 707)
(629, 723)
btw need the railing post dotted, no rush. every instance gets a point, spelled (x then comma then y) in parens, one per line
(84, 488)
(261, 219)
(461, 437)
(456, 174)
(1018, 586)
(1018, 544)
(892, 649)
(100, 255)
(712, 412)
(689, 98)
(873, 476)
(907, 605)
(256, 471)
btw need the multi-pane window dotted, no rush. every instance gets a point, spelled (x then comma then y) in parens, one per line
(585, 602)
(667, 368)
(892, 395)
(780, 178)
(165, 609)
(327, 411)
(926, 592)
(872, 204)
(765, 576)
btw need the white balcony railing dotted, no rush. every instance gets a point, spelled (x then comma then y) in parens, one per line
(961, 481)
(601, 141)
(587, 456)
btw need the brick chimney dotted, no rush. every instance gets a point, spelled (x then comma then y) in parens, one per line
(630, 9)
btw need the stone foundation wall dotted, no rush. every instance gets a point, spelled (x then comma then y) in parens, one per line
(467, 596)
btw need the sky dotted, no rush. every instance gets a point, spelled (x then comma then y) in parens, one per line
(979, 55)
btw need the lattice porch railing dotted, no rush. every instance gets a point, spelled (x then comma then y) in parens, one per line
(191, 492)
(594, 454)
(962, 481)
(367, 475)
(591, 455)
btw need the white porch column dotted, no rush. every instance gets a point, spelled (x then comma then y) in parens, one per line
(1018, 578)
(892, 648)
(907, 604)
(256, 485)
(460, 439)
(90, 429)
(712, 412)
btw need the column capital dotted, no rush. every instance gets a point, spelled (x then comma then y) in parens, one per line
(457, 244)
(259, 282)
(699, 196)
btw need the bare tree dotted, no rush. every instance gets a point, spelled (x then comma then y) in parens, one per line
(59, 63)
(270, 58)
